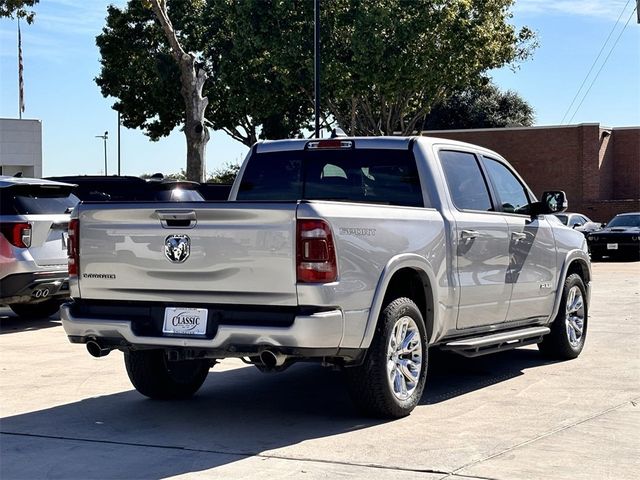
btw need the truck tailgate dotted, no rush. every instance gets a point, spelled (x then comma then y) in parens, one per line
(234, 253)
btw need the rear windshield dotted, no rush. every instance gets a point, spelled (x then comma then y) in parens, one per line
(367, 175)
(37, 200)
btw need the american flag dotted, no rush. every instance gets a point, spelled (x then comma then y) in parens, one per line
(20, 78)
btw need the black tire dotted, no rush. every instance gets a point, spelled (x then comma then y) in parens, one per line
(154, 376)
(558, 344)
(369, 384)
(36, 310)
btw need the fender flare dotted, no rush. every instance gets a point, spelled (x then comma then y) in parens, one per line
(395, 264)
(572, 257)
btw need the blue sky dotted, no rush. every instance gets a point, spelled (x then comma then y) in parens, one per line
(61, 61)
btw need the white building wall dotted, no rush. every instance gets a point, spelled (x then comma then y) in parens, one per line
(21, 147)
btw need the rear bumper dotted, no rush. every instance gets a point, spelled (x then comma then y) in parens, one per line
(321, 331)
(33, 287)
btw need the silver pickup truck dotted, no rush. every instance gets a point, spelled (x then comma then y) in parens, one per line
(361, 253)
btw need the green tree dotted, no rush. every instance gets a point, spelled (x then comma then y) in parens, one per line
(385, 63)
(148, 66)
(485, 106)
(193, 76)
(394, 60)
(225, 174)
(250, 97)
(260, 52)
(18, 9)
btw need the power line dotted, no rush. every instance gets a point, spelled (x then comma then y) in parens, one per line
(594, 63)
(603, 64)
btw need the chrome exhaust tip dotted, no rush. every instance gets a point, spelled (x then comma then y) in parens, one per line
(272, 359)
(97, 350)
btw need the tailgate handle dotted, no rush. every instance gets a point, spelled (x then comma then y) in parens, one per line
(177, 218)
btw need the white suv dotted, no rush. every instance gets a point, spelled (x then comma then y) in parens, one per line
(34, 217)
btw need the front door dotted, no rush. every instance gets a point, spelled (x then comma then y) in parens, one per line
(532, 252)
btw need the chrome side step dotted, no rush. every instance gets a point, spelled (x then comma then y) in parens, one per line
(496, 342)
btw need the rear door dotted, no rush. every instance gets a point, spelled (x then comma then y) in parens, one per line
(481, 242)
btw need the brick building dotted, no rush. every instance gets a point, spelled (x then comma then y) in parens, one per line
(598, 168)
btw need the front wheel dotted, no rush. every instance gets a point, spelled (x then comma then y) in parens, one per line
(390, 382)
(569, 328)
(154, 376)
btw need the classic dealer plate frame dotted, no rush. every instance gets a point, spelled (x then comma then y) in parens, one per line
(185, 321)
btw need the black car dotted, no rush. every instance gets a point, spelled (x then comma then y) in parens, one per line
(100, 188)
(620, 238)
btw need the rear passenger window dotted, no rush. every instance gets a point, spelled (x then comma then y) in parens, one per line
(465, 180)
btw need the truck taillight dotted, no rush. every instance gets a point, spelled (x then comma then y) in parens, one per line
(315, 252)
(73, 250)
(18, 234)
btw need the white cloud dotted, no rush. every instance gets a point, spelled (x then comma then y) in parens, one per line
(607, 10)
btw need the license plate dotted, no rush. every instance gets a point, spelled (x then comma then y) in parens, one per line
(185, 321)
(612, 246)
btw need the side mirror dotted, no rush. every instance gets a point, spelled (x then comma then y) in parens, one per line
(577, 225)
(554, 201)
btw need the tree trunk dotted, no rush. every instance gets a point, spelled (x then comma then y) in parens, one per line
(195, 131)
(192, 80)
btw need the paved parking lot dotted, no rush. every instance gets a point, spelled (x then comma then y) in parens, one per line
(512, 415)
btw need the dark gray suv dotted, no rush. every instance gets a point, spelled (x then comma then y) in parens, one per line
(34, 216)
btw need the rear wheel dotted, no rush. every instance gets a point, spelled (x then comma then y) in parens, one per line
(36, 310)
(391, 380)
(154, 376)
(569, 329)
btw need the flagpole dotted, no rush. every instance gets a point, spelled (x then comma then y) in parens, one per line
(20, 76)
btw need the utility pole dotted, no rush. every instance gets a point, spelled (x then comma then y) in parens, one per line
(316, 54)
(119, 125)
(104, 139)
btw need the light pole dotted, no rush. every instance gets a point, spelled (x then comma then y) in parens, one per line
(104, 138)
(316, 54)
(119, 125)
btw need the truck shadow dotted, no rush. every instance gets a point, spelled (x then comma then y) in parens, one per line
(451, 375)
(236, 414)
(11, 323)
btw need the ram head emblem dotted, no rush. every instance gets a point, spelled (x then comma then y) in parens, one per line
(177, 248)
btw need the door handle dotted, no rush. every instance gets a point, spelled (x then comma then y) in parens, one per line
(469, 234)
(177, 218)
(517, 236)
